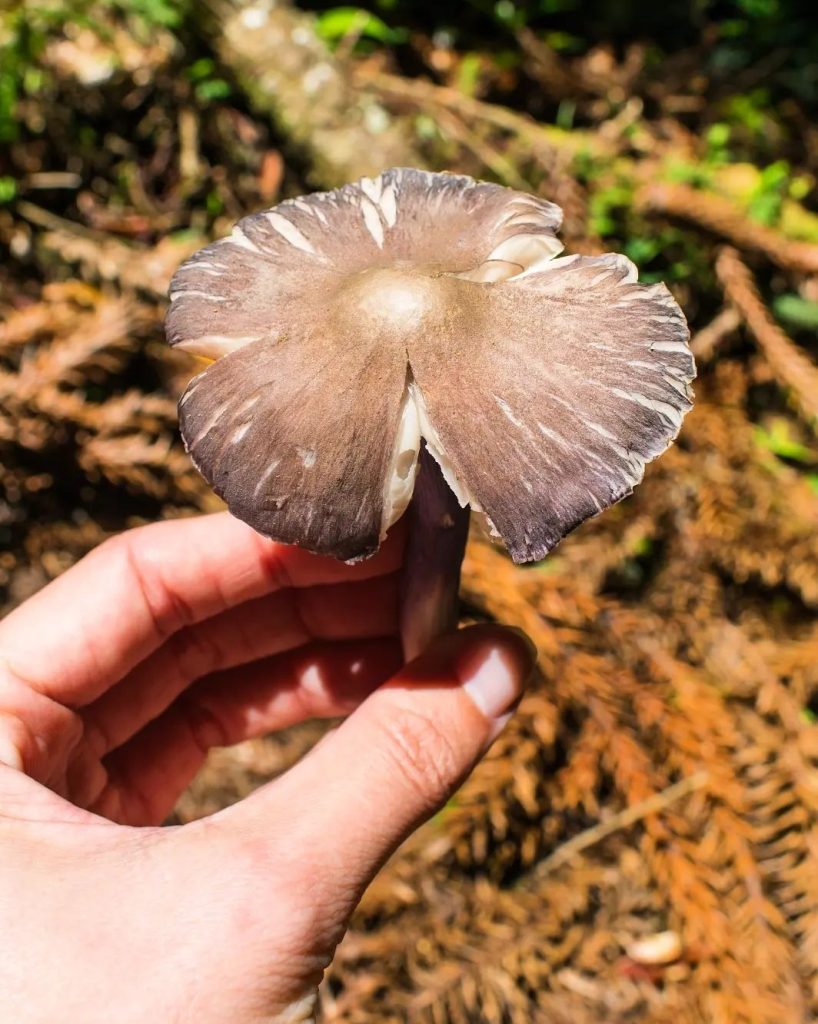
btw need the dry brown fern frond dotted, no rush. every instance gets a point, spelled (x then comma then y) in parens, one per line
(103, 257)
(701, 736)
(734, 507)
(71, 422)
(660, 776)
(705, 342)
(159, 468)
(94, 349)
(54, 314)
(722, 216)
(43, 395)
(497, 955)
(789, 364)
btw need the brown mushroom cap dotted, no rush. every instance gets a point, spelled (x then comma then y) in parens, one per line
(352, 322)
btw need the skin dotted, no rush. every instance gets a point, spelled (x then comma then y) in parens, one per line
(115, 681)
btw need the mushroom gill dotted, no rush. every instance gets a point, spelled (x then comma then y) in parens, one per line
(415, 331)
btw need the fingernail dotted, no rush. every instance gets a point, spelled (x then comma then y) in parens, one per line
(499, 724)
(530, 646)
(496, 681)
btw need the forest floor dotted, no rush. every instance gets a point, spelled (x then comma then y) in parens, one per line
(642, 843)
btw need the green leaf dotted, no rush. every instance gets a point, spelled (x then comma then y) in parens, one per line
(749, 111)
(643, 547)
(718, 135)
(775, 175)
(505, 11)
(214, 204)
(642, 250)
(164, 13)
(697, 175)
(426, 127)
(338, 22)
(565, 114)
(765, 208)
(552, 564)
(778, 439)
(768, 195)
(604, 205)
(563, 42)
(797, 311)
(733, 28)
(760, 8)
(445, 811)
(200, 69)
(468, 74)
(8, 189)
(212, 89)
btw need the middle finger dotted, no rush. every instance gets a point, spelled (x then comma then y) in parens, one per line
(270, 625)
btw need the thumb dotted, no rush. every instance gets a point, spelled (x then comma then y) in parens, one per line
(396, 760)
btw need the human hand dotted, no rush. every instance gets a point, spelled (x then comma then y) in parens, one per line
(118, 677)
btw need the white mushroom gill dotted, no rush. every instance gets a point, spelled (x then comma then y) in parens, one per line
(214, 346)
(414, 425)
(520, 254)
(403, 465)
(438, 452)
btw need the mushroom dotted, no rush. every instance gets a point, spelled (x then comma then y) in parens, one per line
(413, 341)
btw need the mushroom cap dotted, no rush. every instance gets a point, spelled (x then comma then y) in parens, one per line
(346, 325)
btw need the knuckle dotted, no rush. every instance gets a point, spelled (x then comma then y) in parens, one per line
(133, 551)
(423, 754)
(207, 730)
(196, 652)
(119, 552)
(35, 730)
(112, 547)
(96, 738)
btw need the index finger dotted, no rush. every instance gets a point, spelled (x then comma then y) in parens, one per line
(82, 633)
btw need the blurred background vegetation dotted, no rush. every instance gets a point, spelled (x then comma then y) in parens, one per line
(642, 844)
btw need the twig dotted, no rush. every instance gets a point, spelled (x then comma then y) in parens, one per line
(566, 79)
(349, 40)
(725, 218)
(421, 93)
(789, 364)
(190, 164)
(624, 819)
(138, 267)
(52, 180)
(42, 218)
(289, 75)
(548, 67)
(503, 169)
(704, 343)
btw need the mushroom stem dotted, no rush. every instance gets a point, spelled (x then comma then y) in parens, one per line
(438, 528)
